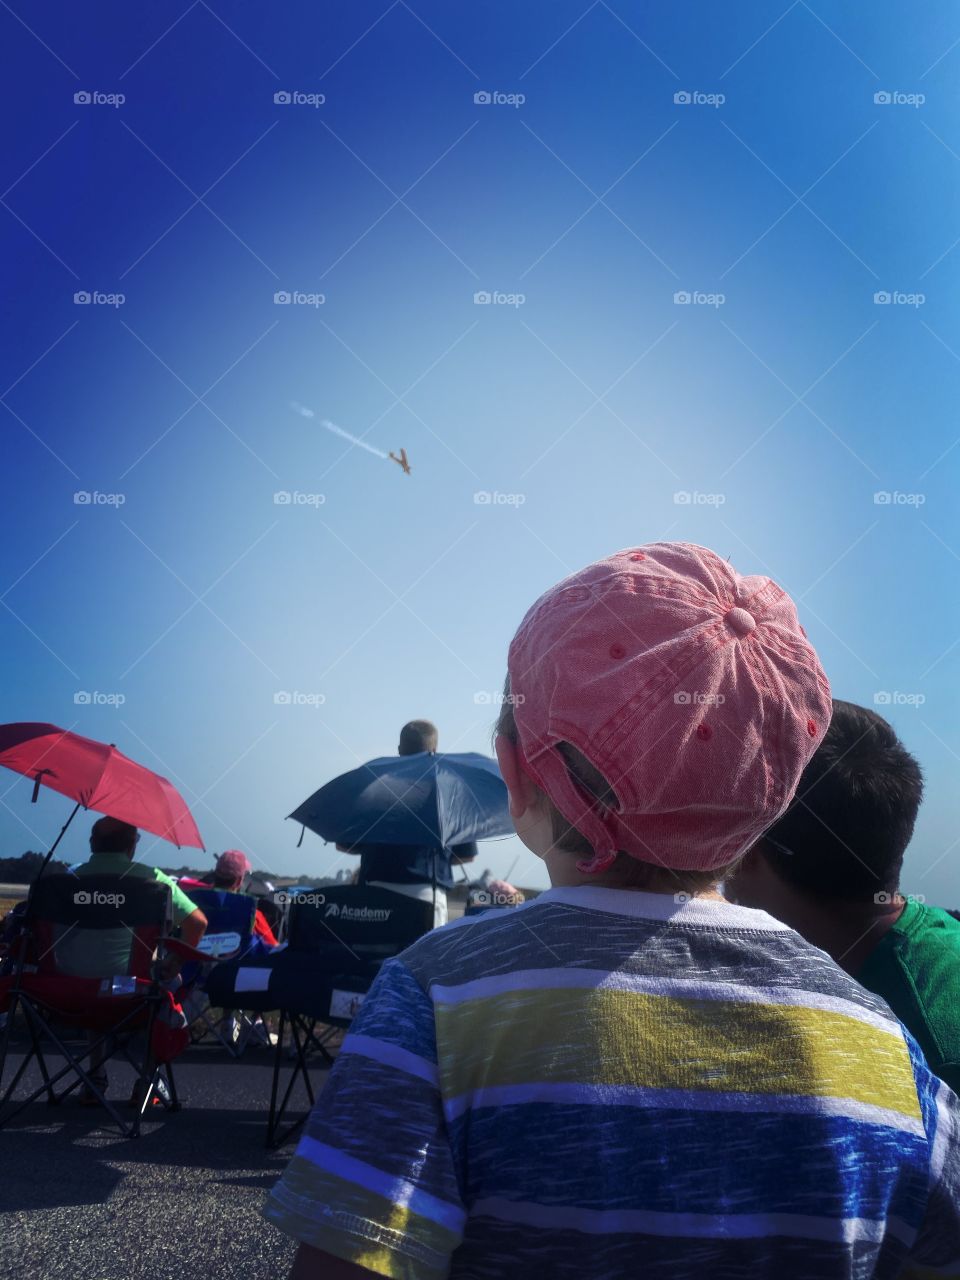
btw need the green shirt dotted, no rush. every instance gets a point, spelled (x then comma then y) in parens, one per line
(106, 952)
(916, 969)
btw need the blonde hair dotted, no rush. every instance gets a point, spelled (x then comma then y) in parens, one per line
(630, 871)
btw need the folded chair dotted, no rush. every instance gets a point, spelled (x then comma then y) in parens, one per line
(62, 978)
(337, 939)
(229, 936)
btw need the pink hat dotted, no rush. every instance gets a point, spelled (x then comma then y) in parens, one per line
(234, 864)
(693, 690)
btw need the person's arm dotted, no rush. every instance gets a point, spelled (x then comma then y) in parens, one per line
(193, 927)
(314, 1264)
(373, 1185)
(936, 1250)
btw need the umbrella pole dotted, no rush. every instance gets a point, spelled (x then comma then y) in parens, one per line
(46, 860)
(433, 866)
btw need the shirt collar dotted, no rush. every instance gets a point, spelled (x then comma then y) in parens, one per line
(677, 909)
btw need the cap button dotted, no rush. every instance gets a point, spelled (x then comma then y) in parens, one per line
(740, 621)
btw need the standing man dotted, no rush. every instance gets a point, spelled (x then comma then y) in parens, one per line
(417, 871)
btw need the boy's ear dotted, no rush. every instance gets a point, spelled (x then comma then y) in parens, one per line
(519, 786)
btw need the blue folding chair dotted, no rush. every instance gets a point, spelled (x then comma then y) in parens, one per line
(229, 936)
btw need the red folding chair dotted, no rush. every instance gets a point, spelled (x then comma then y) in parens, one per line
(64, 978)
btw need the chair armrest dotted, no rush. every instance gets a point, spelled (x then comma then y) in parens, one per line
(184, 950)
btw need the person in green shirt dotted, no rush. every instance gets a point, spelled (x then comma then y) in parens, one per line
(113, 845)
(830, 868)
(106, 952)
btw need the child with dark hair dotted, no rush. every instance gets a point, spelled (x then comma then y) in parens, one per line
(831, 866)
(631, 1076)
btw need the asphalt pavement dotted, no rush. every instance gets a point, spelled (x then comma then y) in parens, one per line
(180, 1202)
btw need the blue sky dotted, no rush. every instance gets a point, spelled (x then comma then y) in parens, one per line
(761, 418)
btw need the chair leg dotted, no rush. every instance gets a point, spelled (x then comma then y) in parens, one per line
(277, 1059)
(301, 1033)
(52, 1098)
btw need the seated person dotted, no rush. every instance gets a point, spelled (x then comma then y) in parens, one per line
(830, 868)
(105, 952)
(112, 848)
(230, 872)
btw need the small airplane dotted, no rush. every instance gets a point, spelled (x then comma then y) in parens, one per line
(401, 461)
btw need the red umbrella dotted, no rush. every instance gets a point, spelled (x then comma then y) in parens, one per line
(98, 777)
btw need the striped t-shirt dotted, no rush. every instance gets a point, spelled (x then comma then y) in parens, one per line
(606, 1083)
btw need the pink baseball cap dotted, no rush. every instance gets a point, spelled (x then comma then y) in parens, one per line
(233, 863)
(691, 688)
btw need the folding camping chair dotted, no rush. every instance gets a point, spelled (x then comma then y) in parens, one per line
(60, 980)
(337, 939)
(229, 935)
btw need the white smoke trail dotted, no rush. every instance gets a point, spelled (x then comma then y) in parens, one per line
(338, 431)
